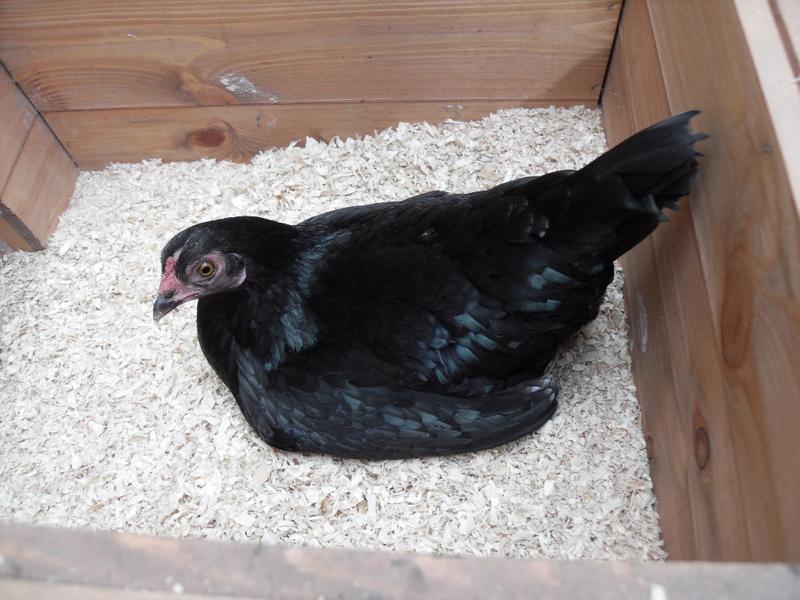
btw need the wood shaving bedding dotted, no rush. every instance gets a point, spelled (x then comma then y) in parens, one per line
(110, 422)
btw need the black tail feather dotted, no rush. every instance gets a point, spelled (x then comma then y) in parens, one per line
(627, 188)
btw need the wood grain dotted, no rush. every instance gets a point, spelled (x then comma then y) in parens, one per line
(19, 589)
(713, 296)
(67, 559)
(96, 138)
(81, 54)
(16, 118)
(39, 187)
(749, 240)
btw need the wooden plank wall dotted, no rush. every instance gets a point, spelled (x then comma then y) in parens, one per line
(36, 175)
(46, 563)
(238, 132)
(714, 296)
(182, 79)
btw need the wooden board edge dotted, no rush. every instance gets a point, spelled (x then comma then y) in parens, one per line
(209, 568)
(38, 190)
(17, 115)
(22, 589)
(14, 234)
(777, 69)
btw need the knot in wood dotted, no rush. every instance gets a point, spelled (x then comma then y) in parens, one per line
(702, 447)
(208, 137)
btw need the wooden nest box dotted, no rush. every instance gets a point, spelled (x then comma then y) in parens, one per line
(713, 299)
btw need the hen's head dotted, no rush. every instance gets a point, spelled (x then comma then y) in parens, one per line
(199, 261)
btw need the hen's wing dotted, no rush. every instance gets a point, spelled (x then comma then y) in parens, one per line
(452, 287)
(339, 399)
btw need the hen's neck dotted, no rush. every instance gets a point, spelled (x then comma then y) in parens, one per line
(269, 315)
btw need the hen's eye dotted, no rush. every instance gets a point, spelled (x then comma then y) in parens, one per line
(206, 269)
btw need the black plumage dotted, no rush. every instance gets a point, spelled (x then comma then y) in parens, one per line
(424, 326)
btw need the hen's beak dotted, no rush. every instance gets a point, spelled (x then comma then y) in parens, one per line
(170, 291)
(163, 305)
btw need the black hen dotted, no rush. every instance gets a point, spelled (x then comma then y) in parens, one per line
(424, 326)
